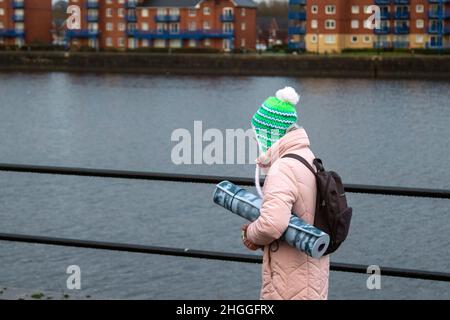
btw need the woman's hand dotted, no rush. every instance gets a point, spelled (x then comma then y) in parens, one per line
(250, 245)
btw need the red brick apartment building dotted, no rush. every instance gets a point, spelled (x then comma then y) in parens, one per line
(131, 24)
(25, 22)
(332, 25)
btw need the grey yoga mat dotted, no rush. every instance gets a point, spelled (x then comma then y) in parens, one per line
(299, 234)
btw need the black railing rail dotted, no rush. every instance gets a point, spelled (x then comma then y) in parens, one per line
(193, 178)
(212, 255)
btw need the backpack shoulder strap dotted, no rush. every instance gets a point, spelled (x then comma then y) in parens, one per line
(301, 159)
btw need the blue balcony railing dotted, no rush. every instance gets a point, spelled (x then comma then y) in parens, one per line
(437, 14)
(401, 44)
(300, 45)
(196, 35)
(84, 33)
(384, 15)
(92, 18)
(18, 4)
(167, 18)
(401, 1)
(131, 18)
(382, 2)
(438, 1)
(401, 15)
(401, 30)
(297, 2)
(92, 4)
(382, 45)
(382, 30)
(12, 33)
(301, 15)
(434, 29)
(131, 4)
(227, 17)
(297, 30)
(18, 17)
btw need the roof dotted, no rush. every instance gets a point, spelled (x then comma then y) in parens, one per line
(190, 3)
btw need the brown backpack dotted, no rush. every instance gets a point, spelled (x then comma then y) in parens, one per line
(333, 215)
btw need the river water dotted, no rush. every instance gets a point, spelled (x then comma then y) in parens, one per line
(381, 132)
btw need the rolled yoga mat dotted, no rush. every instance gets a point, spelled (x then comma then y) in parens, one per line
(299, 234)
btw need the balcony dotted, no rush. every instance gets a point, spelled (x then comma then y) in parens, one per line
(18, 17)
(438, 1)
(301, 15)
(167, 18)
(382, 45)
(12, 33)
(384, 15)
(131, 4)
(297, 45)
(18, 4)
(296, 30)
(382, 2)
(182, 35)
(438, 14)
(92, 4)
(131, 18)
(401, 30)
(435, 29)
(92, 18)
(382, 30)
(227, 17)
(297, 2)
(84, 33)
(401, 44)
(400, 15)
(401, 1)
(446, 30)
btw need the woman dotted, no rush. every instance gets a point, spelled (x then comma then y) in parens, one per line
(287, 273)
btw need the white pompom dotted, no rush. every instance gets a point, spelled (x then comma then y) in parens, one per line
(288, 94)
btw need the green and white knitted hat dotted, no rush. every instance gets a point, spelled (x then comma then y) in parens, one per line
(275, 117)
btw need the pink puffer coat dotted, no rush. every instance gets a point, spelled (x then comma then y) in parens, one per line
(289, 187)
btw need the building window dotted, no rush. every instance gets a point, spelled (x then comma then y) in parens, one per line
(144, 26)
(330, 24)
(419, 39)
(161, 12)
(159, 43)
(207, 42)
(144, 13)
(367, 39)
(192, 12)
(206, 25)
(330, 9)
(175, 43)
(243, 42)
(121, 26)
(355, 24)
(145, 43)
(174, 11)
(314, 24)
(109, 12)
(121, 42)
(109, 26)
(2, 12)
(314, 9)
(192, 26)
(121, 12)
(355, 9)
(314, 38)
(109, 42)
(419, 8)
(330, 39)
(206, 11)
(192, 43)
(354, 39)
(243, 12)
(419, 23)
(243, 26)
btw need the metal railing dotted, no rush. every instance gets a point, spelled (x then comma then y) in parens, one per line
(210, 255)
